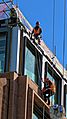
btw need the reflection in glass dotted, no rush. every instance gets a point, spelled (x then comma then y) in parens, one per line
(30, 64)
(34, 116)
(2, 52)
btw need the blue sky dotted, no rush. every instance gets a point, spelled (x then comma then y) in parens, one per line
(42, 10)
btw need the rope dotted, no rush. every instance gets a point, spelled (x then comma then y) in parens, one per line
(37, 65)
(53, 24)
(17, 3)
(53, 37)
(64, 34)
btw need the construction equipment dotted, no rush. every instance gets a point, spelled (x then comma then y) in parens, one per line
(57, 112)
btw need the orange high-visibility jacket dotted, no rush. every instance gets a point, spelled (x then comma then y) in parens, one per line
(36, 31)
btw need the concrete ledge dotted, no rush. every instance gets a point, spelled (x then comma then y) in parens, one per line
(9, 75)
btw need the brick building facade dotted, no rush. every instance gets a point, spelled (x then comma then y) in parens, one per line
(19, 96)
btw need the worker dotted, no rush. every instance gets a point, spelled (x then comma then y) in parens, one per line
(47, 94)
(13, 16)
(37, 31)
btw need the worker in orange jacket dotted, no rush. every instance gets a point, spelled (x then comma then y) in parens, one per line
(37, 30)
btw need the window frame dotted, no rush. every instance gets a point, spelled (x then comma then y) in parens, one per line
(5, 51)
(33, 49)
(7, 32)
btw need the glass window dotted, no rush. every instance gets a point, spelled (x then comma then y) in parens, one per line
(39, 112)
(30, 64)
(2, 52)
(33, 63)
(34, 116)
(50, 77)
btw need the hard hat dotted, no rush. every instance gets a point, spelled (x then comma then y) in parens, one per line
(37, 23)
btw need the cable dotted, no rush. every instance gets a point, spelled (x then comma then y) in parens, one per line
(53, 37)
(17, 3)
(37, 64)
(53, 23)
(64, 35)
(39, 67)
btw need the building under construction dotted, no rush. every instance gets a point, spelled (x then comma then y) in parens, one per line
(33, 83)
